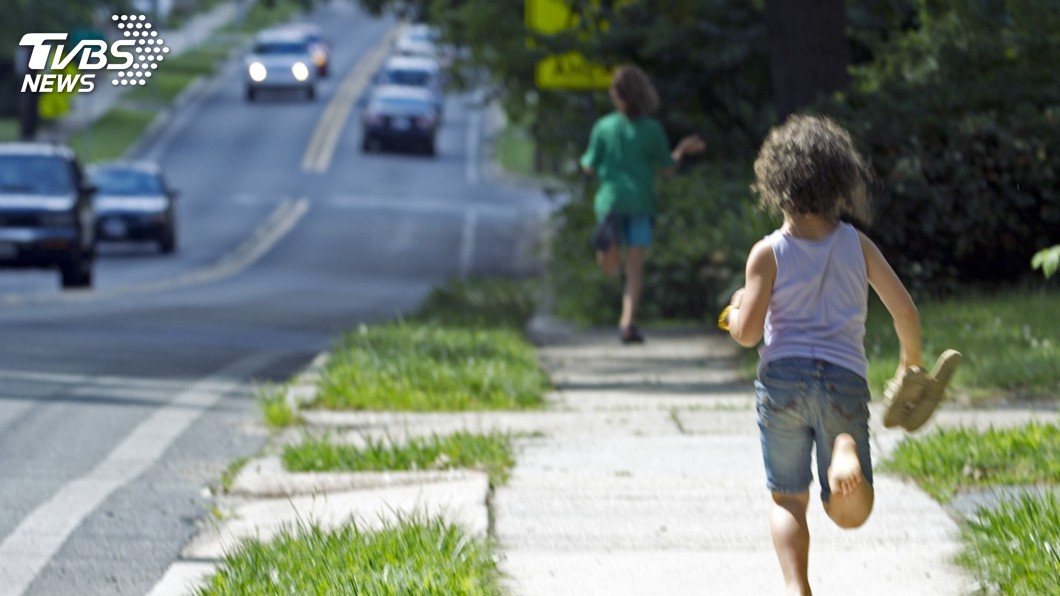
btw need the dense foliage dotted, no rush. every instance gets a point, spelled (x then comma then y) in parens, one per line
(956, 104)
(961, 118)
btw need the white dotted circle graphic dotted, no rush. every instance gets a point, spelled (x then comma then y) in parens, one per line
(150, 49)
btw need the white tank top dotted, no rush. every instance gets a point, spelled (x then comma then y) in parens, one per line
(819, 301)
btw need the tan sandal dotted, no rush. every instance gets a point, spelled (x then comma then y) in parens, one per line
(929, 401)
(902, 395)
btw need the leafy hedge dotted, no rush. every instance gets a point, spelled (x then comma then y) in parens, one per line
(961, 119)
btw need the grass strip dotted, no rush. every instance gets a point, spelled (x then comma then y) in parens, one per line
(949, 459)
(9, 129)
(425, 367)
(1010, 342)
(409, 557)
(491, 453)
(515, 151)
(275, 409)
(480, 302)
(1015, 548)
(110, 136)
(177, 73)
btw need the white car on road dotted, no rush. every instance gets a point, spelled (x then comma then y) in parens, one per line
(280, 59)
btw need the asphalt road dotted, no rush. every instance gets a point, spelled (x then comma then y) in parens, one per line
(119, 406)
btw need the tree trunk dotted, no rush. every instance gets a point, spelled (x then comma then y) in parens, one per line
(808, 51)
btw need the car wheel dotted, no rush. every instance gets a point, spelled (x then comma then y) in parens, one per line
(76, 273)
(251, 93)
(310, 93)
(168, 242)
(429, 148)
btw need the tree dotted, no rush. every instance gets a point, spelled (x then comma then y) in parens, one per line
(808, 51)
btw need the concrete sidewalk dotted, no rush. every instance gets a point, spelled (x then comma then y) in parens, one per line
(642, 477)
(659, 488)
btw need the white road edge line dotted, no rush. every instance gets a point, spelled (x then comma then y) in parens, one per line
(30, 547)
(279, 223)
(474, 145)
(467, 242)
(325, 137)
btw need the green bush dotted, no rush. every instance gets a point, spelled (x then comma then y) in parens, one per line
(706, 224)
(963, 133)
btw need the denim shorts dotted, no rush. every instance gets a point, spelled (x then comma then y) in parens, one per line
(803, 402)
(628, 230)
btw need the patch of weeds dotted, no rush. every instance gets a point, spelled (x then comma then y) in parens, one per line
(275, 408)
(948, 459)
(412, 556)
(228, 475)
(1015, 548)
(482, 302)
(425, 367)
(491, 453)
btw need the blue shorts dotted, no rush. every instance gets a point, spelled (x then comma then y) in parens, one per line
(803, 402)
(628, 230)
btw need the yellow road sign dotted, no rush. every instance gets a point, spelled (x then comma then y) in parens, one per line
(564, 71)
(571, 71)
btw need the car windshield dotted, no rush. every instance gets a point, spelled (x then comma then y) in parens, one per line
(399, 105)
(414, 78)
(35, 175)
(279, 49)
(113, 181)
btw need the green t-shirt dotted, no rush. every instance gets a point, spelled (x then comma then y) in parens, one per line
(624, 154)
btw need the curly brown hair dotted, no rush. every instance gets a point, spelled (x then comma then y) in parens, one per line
(633, 93)
(808, 165)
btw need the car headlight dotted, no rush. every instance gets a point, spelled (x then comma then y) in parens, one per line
(257, 72)
(300, 71)
(63, 219)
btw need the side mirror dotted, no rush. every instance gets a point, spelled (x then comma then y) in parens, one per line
(89, 189)
(173, 193)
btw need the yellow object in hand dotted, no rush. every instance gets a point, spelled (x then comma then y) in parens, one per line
(723, 318)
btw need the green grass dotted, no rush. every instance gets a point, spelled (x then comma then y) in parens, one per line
(410, 557)
(491, 453)
(1010, 342)
(111, 135)
(1015, 548)
(261, 16)
(175, 74)
(275, 409)
(484, 302)
(9, 129)
(424, 367)
(948, 459)
(515, 150)
(228, 475)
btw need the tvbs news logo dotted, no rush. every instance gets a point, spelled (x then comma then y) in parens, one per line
(134, 57)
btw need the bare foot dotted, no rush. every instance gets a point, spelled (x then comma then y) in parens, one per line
(844, 473)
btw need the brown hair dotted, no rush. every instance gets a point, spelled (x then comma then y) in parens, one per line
(633, 93)
(809, 164)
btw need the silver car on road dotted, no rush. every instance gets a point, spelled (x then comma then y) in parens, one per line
(281, 59)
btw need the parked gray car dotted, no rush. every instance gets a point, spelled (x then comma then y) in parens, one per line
(46, 215)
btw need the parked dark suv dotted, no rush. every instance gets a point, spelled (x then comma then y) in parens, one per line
(46, 217)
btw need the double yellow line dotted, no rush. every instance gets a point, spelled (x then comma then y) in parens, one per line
(326, 135)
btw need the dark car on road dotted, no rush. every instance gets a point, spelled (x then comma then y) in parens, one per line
(415, 71)
(396, 116)
(134, 203)
(46, 216)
